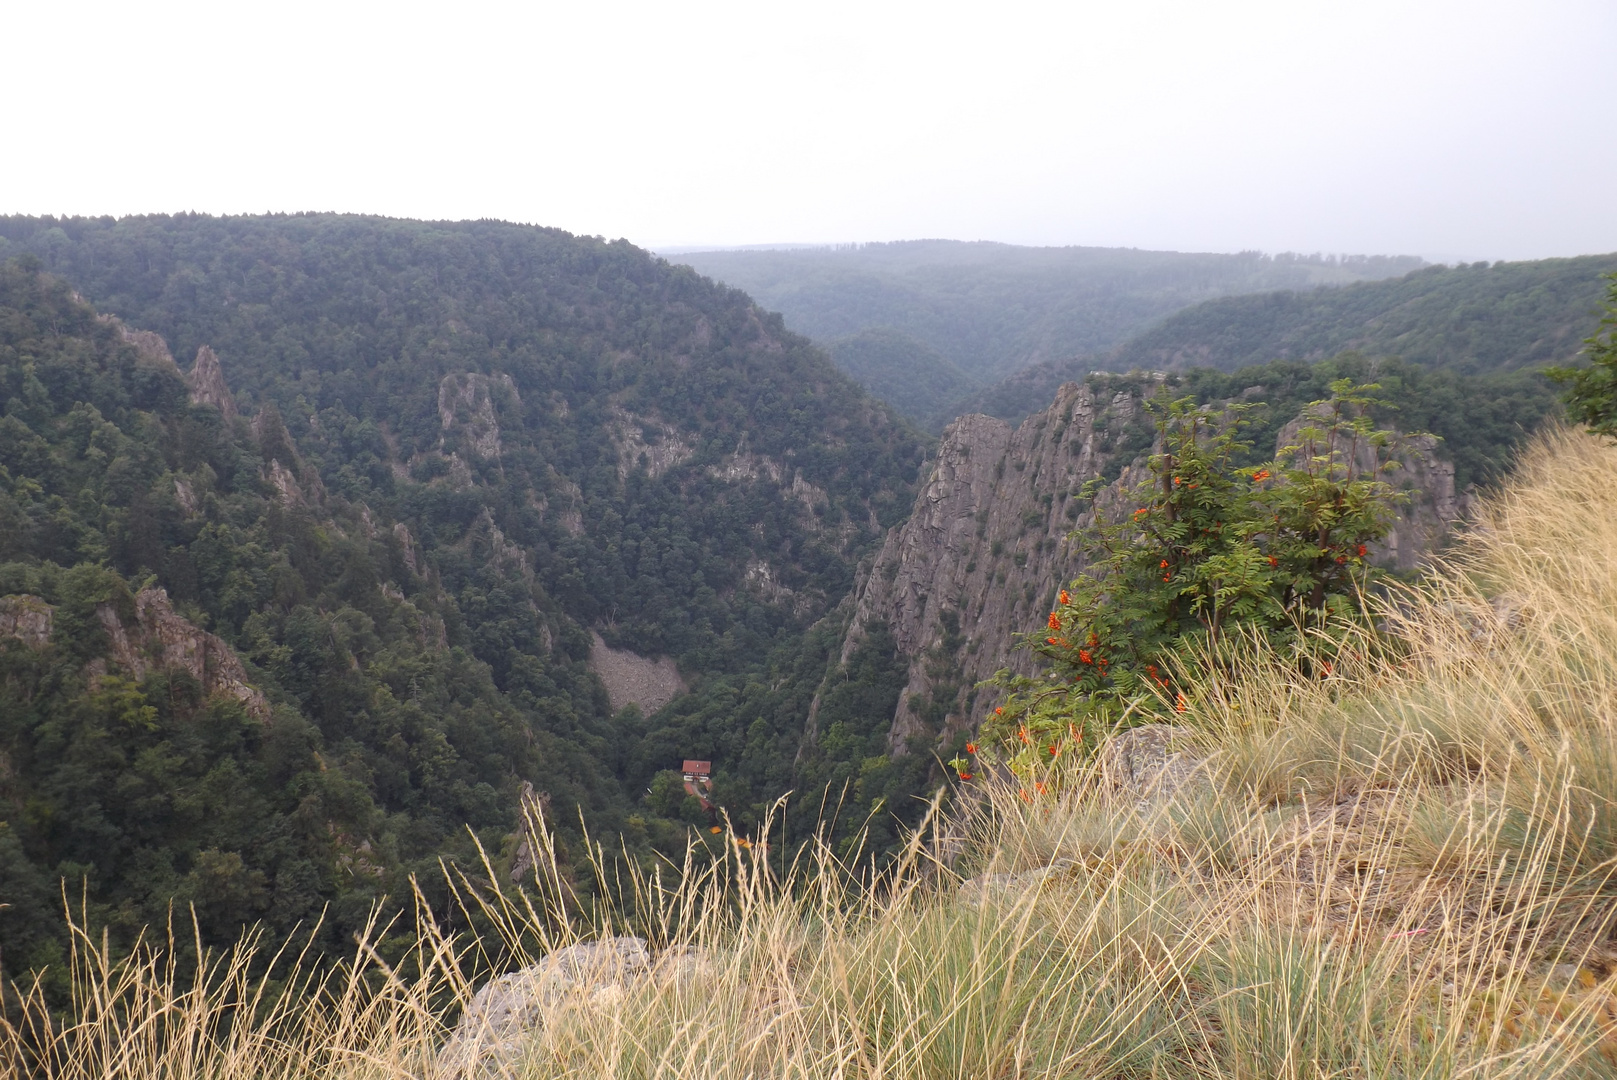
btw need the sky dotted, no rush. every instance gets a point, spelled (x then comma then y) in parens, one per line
(1469, 130)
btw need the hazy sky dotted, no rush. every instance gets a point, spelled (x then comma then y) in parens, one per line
(1468, 129)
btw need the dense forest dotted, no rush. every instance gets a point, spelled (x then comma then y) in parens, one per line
(1477, 320)
(415, 467)
(992, 309)
(1473, 318)
(910, 375)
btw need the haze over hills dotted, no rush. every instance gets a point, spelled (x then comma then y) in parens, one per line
(990, 309)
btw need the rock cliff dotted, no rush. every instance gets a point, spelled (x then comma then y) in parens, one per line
(988, 544)
(160, 638)
(208, 386)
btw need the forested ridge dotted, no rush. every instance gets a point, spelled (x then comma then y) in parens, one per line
(1484, 327)
(987, 310)
(1474, 319)
(449, 453)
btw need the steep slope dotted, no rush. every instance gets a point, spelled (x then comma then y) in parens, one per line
(992, 309)
(432, 484)
(989, 542)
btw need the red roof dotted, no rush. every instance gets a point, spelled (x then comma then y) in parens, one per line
(701, 768)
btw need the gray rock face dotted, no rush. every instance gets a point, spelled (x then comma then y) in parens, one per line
(989, 888)
(987, 547)
(160, 638)
(988, 544)
(505, 1014)
(1143, 765)
(1425, 477)
(466, 404)
(208, 385)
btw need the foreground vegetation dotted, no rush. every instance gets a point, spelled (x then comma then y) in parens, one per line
(1402, 868)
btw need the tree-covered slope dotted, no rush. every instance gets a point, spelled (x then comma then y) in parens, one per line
(991, 309)
(428, 463)
(909, 374)
(1471, 319)
(1475, 318)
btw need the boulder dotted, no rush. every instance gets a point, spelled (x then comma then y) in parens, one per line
(509, 1011)
(1142, 766)
(985, 888)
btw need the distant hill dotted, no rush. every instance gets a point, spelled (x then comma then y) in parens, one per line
(910, 375)
(1474, 319)
(993, 309)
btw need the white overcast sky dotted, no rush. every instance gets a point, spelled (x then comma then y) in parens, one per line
(1471, 129)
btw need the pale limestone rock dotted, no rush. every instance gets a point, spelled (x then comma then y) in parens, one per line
(507, 1012)
(1149, 764)
(466, 404)
(645, 442)
(285, 484)
(989, 888)
(991, 486)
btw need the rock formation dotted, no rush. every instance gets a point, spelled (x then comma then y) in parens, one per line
(987, 546)
(25, 618)
(159, 638)
(506, 1016)
(632, 679)
(208, 385)
(466, 404)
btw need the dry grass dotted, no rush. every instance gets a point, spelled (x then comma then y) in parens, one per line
(1404, 869)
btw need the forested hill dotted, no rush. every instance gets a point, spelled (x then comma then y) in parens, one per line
(1471, 319)
(412, 470)
(991, 309)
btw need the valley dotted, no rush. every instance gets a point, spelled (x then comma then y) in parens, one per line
(448, 520)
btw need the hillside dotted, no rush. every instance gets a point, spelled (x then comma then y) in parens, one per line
(1472, 319)
(1398, 867)
(992, 309)
(1469, 320)
(425, 486)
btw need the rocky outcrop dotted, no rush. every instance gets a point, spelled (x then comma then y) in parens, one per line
(160, 639)
(207, 380)
(466, 404)
(1150, 764)
(149, 346)
(506, 1015)
(1422, 474)
(986, 548)
(25, 618)
(987, 545)
(643, 442)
